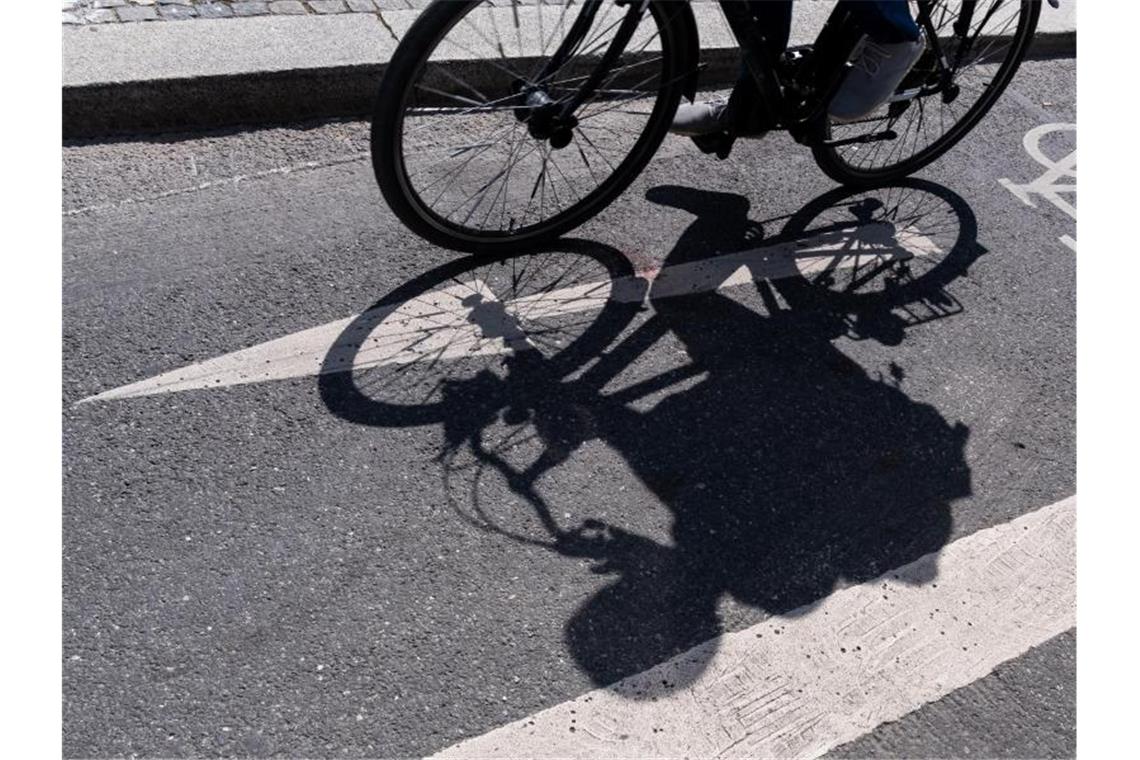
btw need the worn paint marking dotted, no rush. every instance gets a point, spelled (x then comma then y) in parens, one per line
(439, 325)
(1049, 185)
(799, 685)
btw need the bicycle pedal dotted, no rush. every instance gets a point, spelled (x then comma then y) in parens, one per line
(707, 143)
(719, 143)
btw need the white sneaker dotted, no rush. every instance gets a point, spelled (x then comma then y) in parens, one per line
(878, 69)
(695, 119)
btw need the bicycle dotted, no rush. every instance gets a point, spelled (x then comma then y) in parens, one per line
(498, 127)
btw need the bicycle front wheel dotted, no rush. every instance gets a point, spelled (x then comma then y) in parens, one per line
(469, 142)
(983, 42)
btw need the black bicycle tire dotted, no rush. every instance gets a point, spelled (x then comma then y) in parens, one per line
(387, 162)
(832, 164)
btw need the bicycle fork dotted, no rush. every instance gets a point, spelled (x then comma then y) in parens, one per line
(554, 120)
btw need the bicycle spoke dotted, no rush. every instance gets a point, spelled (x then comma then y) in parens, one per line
(476, 105)
(497, 46)
(482, 108)
(511, 160)
(481, 148)
(590, 142)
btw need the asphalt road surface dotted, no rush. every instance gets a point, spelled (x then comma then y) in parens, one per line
(490, 515)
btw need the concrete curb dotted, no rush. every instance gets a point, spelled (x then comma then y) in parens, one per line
(147, 78)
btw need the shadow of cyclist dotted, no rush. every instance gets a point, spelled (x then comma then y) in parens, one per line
(788, 470)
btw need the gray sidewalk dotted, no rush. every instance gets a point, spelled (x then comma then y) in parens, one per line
(128, 11)
(202, 64)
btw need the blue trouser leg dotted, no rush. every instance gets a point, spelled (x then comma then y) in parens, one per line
(775, 19)
(884, 21)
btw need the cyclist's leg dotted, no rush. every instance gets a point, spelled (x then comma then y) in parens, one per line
(884, 21)
(893, 45)
(774, 19)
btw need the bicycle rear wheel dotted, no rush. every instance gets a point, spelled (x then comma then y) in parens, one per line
(462, 146)
(996, 37)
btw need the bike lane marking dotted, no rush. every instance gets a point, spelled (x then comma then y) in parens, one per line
(438, 324)
(802, 684)
(1049, 186)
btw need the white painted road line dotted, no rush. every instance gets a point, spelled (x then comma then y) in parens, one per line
(797, 686)
(439, 325)
(1049, 185)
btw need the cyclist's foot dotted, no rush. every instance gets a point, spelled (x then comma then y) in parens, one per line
(699, 118)
(877, 70)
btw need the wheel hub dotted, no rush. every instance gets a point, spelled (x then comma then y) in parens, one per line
(543, 116)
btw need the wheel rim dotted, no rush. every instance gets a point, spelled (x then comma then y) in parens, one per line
(467, 156)
(925, 124)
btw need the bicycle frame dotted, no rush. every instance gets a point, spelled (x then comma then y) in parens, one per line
(796, 101)
(799, 102)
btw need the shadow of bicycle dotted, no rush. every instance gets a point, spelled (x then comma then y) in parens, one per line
(785, 467)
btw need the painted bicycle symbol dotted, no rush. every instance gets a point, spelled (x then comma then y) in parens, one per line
(1050, 185)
